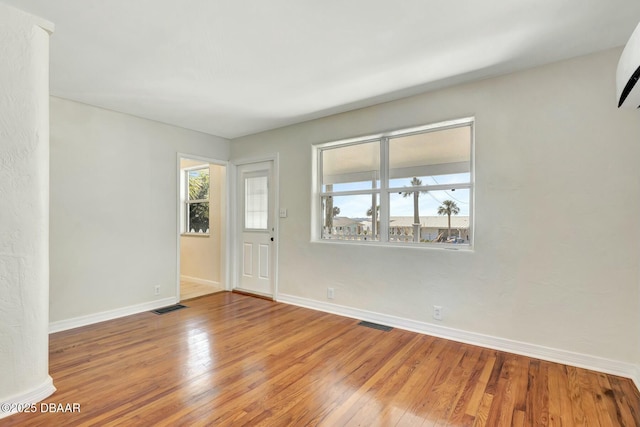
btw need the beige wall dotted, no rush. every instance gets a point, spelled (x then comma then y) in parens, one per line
(555, 159)
(113, 208)
(200, 256)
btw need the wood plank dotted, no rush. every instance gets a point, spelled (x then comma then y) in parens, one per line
(537, 397)
(480, 387)
(456, 385)
(420, 402)
(231, 359)
(560, 407)
(556, 397)
(376, 388)
(576, 397)
(467, 394)
(519, 419)
(482, 415)
(510, 390)
(627, 401)
(417, 372)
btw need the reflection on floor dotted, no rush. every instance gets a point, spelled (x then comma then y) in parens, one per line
(190, 290)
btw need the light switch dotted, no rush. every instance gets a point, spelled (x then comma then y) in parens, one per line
(283, 213)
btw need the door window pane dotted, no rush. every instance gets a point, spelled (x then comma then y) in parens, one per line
(256, 203)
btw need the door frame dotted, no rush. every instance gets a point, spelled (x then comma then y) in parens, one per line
(226, 238)
(234, 217)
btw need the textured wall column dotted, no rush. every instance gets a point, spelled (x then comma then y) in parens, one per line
(24, 208)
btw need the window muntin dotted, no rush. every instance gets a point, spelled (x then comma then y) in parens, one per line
(197, 200)
(418, 179)
(431, 180)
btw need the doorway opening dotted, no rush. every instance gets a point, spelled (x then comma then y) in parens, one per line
(202, 207)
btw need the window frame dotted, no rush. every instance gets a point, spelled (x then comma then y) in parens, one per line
(384, 190)
(188, 202)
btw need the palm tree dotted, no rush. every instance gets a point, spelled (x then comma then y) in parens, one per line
(375, 224)
(448, 208)
(416, 182)
(330, 212)
(328, 209)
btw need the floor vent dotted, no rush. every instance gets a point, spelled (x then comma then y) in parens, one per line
(375, 326)
(169, 309)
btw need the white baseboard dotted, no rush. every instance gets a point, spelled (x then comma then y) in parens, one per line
(635, 376)
(199, 281)
(76, 322)
(33, 396)
(565, 357)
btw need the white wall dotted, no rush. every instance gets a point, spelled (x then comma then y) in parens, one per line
(24, 225)
(201, 256)
(114, 207)
(555, 159)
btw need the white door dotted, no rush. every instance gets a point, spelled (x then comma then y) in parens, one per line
(256, 228)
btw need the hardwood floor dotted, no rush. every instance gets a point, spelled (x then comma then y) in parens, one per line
(231, 359)
(189, 290)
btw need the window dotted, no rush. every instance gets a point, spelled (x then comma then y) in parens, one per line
(197, 200)
(412, 187)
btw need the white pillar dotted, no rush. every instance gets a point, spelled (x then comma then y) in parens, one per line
(24, 208)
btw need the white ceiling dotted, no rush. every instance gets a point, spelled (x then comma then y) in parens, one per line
(237, 67)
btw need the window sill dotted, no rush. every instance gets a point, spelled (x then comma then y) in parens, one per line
(194, 234)
(378, 244)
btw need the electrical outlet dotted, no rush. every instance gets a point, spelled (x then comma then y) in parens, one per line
(330, 293)
(437, 312)
(156, 290)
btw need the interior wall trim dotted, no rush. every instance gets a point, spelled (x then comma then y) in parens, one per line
(199, 281)
(76, 322)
